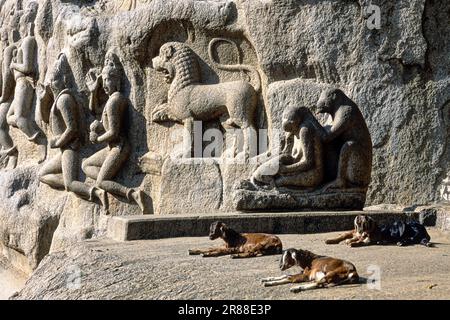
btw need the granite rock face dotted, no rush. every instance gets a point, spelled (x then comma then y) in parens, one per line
(150, 60)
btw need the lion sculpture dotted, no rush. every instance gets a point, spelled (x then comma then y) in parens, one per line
(233, 103)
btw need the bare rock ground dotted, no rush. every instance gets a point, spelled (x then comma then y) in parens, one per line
(162, 269)
(10, 280)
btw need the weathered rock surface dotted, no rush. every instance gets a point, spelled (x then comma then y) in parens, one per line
(398, 75)
(162, 269)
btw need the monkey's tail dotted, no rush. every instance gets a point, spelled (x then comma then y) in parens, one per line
(234, 67)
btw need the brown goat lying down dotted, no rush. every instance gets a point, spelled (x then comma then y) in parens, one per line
(318, 271)
(240, 245)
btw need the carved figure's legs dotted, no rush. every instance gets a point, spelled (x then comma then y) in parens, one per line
(352, 171)
(307, 179)
(188, 138)
(51, 173)
(6, 141)
(21, 109)
(61, 172)
(265, 172)
(250, 141)
(104, 165)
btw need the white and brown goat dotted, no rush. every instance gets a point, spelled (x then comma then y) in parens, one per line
(240, 245)
(318, 271)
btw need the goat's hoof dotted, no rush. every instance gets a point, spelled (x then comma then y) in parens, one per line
(295, 290)
(234, 256)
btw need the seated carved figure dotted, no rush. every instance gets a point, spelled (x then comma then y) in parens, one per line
(61, 171)
(105, 164)
(320, 167)
(300, 164)
(350, 136)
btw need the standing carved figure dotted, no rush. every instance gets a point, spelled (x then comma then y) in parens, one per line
(301, 163)
(350, 136)
(8, 84)
(104, 165)
(62, 171)
(24, 68)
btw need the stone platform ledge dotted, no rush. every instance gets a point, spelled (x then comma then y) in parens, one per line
(267, 200)
(125, 228)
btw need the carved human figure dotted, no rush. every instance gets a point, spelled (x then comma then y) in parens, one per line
(104, 165)
(300, 163)
(24, 68)
(62, 171)
(349, 133)
(8, 84)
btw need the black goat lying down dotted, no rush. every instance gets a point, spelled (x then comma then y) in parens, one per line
(403, 234)
(368, 232)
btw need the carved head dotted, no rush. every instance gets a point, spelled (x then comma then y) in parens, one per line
(216, 230)
(57, 80)
(111, 73)
(27, 19)
(364, 225)
(176, 59)
(293, 117)
(329, 99)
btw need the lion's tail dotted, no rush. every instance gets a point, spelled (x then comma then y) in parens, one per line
(234, 67)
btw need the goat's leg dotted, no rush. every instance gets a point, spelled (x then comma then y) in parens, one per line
(360, 242)
(288, 279)
(341, 237)
(248, 254)
(219, 252)
(306, 286)
(270, 279)
(200, 251)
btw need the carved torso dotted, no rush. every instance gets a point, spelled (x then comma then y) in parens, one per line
(7, 74)
(57, 123)
(117, 103)
(29, 44)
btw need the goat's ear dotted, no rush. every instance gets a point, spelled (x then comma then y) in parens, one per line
(294, 255)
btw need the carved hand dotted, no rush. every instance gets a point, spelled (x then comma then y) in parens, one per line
(93, 80)
(93, 137)
(41, 91)
(95, 126)
(53, 142)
